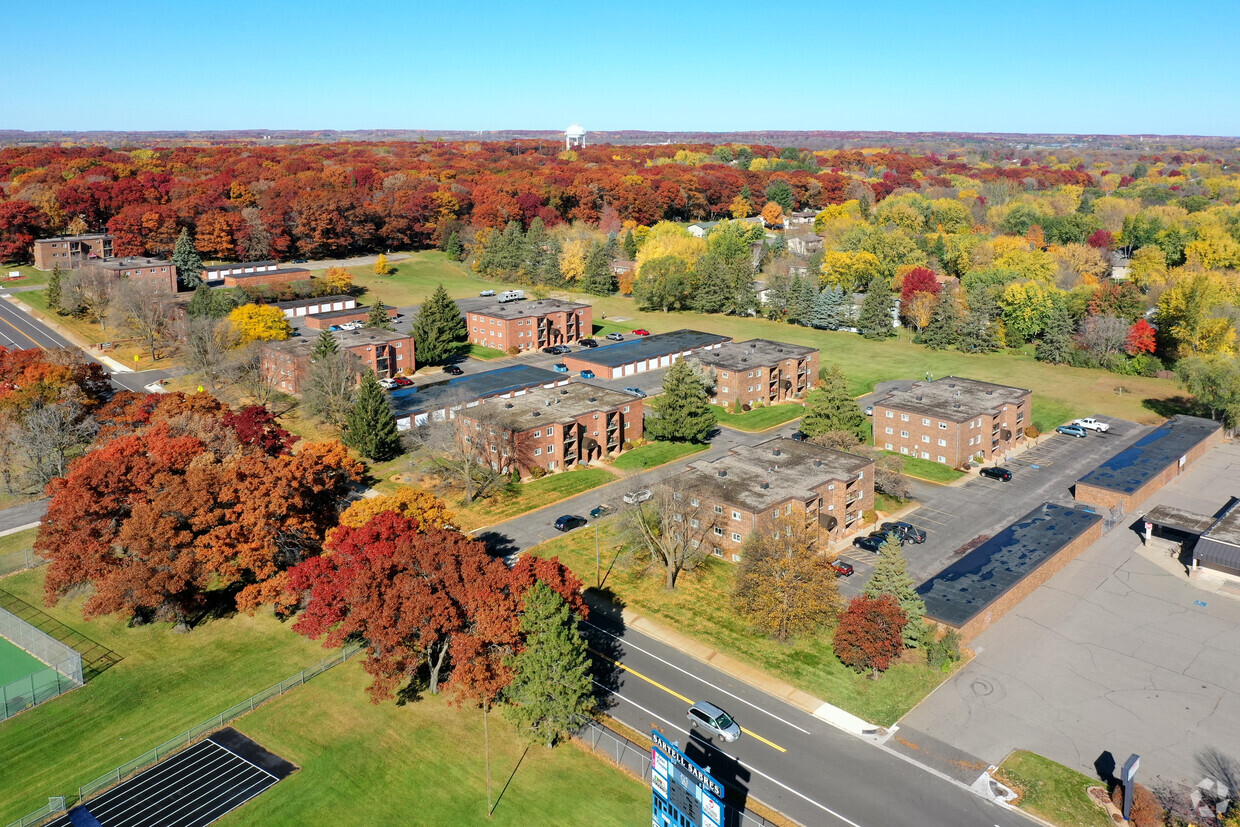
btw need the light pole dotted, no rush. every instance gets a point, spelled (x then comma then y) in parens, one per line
(487, 738)
(598, 577)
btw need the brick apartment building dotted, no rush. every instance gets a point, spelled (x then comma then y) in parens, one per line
(951, 420)
(286, 364)
(271, 275)
(760, 371)
(529, 325)
(443, 399)
(555, 429)
(71, 251)
(157, 273)
(756, 487)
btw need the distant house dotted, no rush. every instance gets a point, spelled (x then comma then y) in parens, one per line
(621, 266)
(1119, 266)
(801, 218)
(803, 244)
(702, 228)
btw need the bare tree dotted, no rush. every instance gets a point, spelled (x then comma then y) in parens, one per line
(88, 292)
(672, 530)
(209, 345)
(330, 386)
(256, 243)
(1102, 337)
(457, 450)
(51, 434)
(144, 311)
(245, 369)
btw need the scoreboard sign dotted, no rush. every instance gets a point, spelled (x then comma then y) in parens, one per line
(682, 792)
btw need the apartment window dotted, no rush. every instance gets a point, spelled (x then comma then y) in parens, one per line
(718, 551)
(736, 515)
(725, 376)
(724, 389)
(494, 449)
(942, 426)
(942, 443)
(550, 449)
(693, 522)
(831, 487)
(942, 459)
(925, 438)
(890, 414)
(695, 543)
(736, 538)
(538, 452)
(626, 425)
(904, 434)
(776, 513)
(904, 417)
(887, 445)
(736, 558)
(925, 421)
(775, 535)
(678, 518)
(626, 408)
(718, 509)
(903, 449)
(718, 531)
(889, 429)
(693, 501)
(925, 455)
(538, 433)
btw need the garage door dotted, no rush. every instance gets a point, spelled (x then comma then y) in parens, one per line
(641, 367)
(665, 361)
(629, 369)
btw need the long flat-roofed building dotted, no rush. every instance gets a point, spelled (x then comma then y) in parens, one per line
(951, 420)
(760, 370)
(529, 325)
(642, 354)
(444, 399)
(156, 273)
(1129, 477)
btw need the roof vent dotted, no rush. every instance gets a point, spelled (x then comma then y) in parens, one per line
(817, 463)
(592, 399)
(775, 453)
(507, 404)
(564, 392)
(764, 485)
(722, 472)
(951, 384)
(957, 405)
(919, 397)
(537, 413)
(547, 403)
(990, 393)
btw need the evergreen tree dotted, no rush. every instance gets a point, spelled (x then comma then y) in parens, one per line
(891, 577)
(780, 192)
(453, 247)
(710, 285)
(805, 301)
(439, 330)
(187, 260)
(547, 263)
(742, 297)
(209, 303)
(682, 412)
(598, 279)
(1056, 345)
(55, 290)
(943, 331)
(371, 425)
(534, 249)
(798, 309)
(551, 689)
(874, 320)
(630, 246)
(378, 318)
(832, 309)
(325, 345)
(831, 408)
(513, 250)
(978, 334)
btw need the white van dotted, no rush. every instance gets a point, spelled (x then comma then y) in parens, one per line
(511, 295)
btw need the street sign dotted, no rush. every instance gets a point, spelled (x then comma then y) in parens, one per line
(682, 792)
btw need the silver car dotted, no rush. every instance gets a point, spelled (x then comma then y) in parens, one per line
(714, 720)
(638, 496)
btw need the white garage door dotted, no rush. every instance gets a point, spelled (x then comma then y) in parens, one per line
(665, 361)
(630, 369)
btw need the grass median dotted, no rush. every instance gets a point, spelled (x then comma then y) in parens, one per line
(1051, 791)
(654, 454)
(925, 469)
(760, 419)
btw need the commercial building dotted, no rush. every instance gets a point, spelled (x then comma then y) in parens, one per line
(643, 354)
(755, 487)
(216, 273)
(286, 364)
(952, 420)
(444, 399)
(760, 370)
(272, 275)
(555, 429)
(71, 251)
(529, 325)
(309, 307)
(155, 273)
(1128, 478)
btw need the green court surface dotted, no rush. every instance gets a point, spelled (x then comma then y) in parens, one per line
(16, 664)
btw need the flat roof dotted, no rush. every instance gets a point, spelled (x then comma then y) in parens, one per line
(648, 347)
(471, 387)
(1168, 516)
(207, 268)
(788, 467)
(524, 309)
(1150, 455)
(131, 261)
(743, 355)
(953, 398)
(305, 302)
(303, 345)
(348, 311)
(543, 406)
(1226, 528)
(964, 589)
(82, 237)
(268, 273)
(1220, 544)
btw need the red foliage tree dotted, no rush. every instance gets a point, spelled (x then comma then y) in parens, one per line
(1141, 338)
(257, 427)
(919, 280)
(1102, 239)
(870, 633)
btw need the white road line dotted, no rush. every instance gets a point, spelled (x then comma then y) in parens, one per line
(239, 758)
(740, 763)
(703, 680)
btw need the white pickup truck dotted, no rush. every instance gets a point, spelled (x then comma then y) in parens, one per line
(1091, 424)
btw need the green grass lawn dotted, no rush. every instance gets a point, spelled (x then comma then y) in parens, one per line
(18, 541)
(166, 683)
(1051, 791)
(653, 454)
(415, 278)
(29, 275)
(760, 419)
(123, 349)
(480, 352)
(524, 497)
(927, 470)
(701, 607)
(604, 326)
(422, 763)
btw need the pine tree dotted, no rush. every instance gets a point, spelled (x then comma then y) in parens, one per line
(978, 334)
(551, 689)
(378, 318)
(891, 577)
(439, 330)
(209, 303)
(682, 412)
(710, 285)
(832, 309)
(55, 290)
(630, 246)
(454, 248)
(187, 260)
(742, 297)
(874, 320)
(325, 345)
(803, 301)
(1056, 345)
(831, 408)
(943, 331)
(598, 279)
(371, 425)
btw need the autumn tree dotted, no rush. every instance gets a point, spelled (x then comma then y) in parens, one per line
(772, 215)
(408, 502)
(1214, 381)
(378, 318)
(146, 312)
(870, 633)
(338, 281)
(448, 451)
(1140, 338)
(259, 323)
(371, 426)
(830, 407)
(918, 280)
(439, 328)
(187, 261)
(785, 587)
(381, 266)
(891, 577)
(668, 533)
(918, 310)
(682, 412)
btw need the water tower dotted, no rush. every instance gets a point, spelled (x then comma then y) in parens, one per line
(575, 136)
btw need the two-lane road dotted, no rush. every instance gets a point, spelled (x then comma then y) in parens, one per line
(18, 331)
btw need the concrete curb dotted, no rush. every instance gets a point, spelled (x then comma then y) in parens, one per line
(25, 527)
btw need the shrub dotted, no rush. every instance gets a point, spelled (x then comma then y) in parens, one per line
(736, 406)
(870, 633)
(869, 515)
(758, 404)
(746, 408)
(1031, 432)
(513, 350)
(941, 653)
(1147, 810)
(627, 446)
(538, 472)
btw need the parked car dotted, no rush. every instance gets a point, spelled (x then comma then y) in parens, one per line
(560, 367)
(1072, 430)
(908, 532)
(334, 327)
(587, 343)
(385, 382)
(714, 720)
(600, 511)
(565, 349)
(452, 370)
(587, 374)
(636, 392)
(641, 331)
(486, 294)
(868, 542)
(552, 349)
(615, 337)
(799, 436)
(1091, 424)
(568, 522)
(403, 381)
(869, 410)
(638, 496)
(842, 567)
(996, 473)
(299, 261)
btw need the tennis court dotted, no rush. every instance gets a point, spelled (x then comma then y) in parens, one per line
(191, 789)
(16, 663)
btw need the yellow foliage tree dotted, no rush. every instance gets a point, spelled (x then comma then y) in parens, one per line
(773, 214)
(1112, 211)
(573, 259)
(382, 268)
(739, 208)
(849, 270)
(1030, 264)
(1214, 249)
(1087, 262)
(338, 281)
(668, 239)
(259, 323)
(1189, 310)
(1148, 267)
(409, 502)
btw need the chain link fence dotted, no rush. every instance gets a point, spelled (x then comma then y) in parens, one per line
(54, 806)
(63, 672)
(20, 561)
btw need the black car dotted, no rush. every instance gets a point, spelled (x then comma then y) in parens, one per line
(554, 350)
(799, 436)
(568, 522)
(587, 343)
(996, 473)
(453, 370)
(299, 261)
(600, 511)
(908, 532)
(869, 543)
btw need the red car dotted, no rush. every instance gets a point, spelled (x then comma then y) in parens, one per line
(402, 381)
(641, 332)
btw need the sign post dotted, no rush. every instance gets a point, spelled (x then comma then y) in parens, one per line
(1149, 529)
(1127, 776)
(683, 793)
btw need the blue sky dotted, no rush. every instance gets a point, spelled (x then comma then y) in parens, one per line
(1089, 66)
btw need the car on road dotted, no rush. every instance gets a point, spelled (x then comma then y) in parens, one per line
(587, 374)
(587, 343)
(615, 337)
(299, 261)
(388, 383)
(868, 542)
(568, 522)
(1091, 424)
(996, 473)
(560, 367)
(601, 510)
(1072, 430)
(486, 294)
(641, 331)
(638, 496)
(636, 392)
(402, 381)
(452, 370)
(842, 568)
(714, 720)
(908, 532)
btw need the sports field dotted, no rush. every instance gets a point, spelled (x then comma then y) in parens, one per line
(16, 664)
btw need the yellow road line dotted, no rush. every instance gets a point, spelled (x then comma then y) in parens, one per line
(763, 740)
(24, 333)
